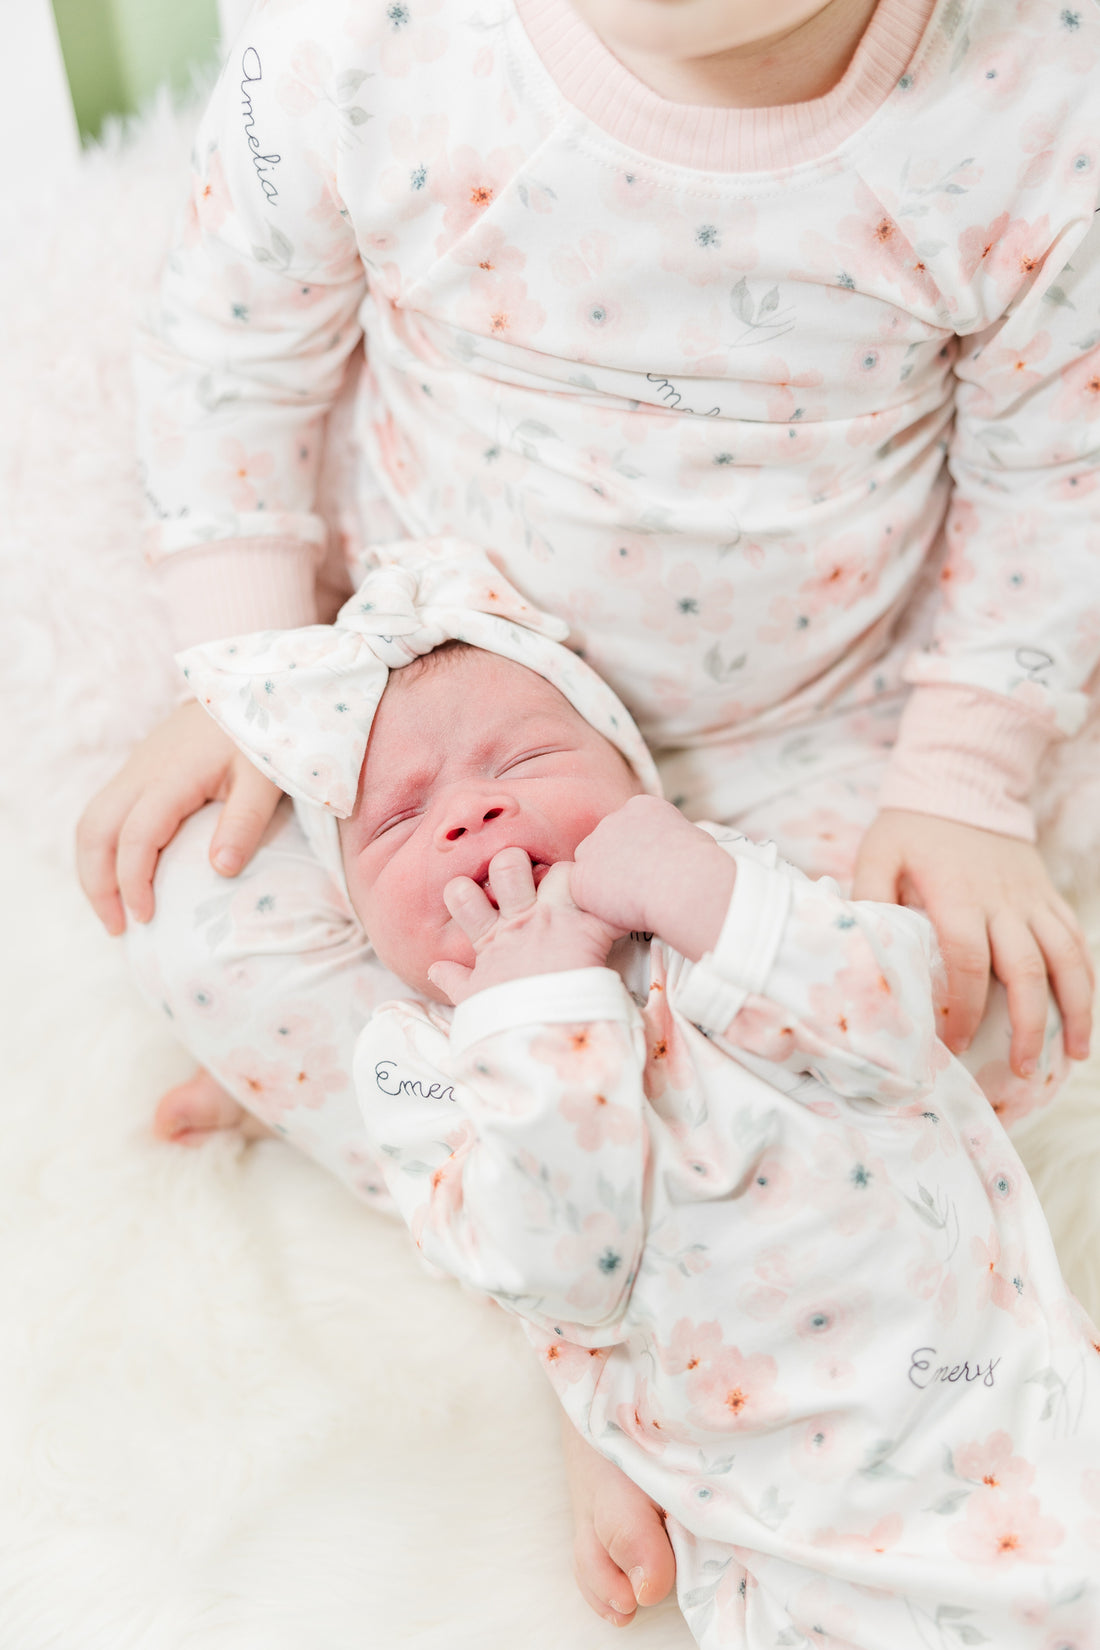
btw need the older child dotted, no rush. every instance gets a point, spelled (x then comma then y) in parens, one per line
(691, 1121)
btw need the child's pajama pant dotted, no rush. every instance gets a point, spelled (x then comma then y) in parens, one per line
(268, 977)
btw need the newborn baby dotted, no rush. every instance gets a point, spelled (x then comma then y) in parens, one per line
(690, 1121)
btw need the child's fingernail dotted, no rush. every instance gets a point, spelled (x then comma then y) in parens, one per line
(1028, 1068)
(227, 861)
(638, 1580)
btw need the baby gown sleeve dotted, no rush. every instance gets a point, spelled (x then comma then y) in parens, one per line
(515, 1146)
(246, 345)
(806, 980)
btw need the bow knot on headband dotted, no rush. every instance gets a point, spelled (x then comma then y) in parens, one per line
(300, 703)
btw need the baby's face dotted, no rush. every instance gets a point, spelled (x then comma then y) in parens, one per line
(467, 756)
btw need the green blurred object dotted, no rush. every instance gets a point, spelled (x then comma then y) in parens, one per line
(117, 52)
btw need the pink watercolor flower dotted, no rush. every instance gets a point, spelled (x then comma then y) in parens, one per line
(689, 1346)
(825, 1449)
(1009, 251)
(630, 193)
(708, 246)
(683, 604)
(487, 249)
(243, 473)
(498, 307)
(930, 1133)
(397, 456)
(992, 1463)
(416, 147)
(844, 573)
(883, 1535)
(303, 81)
(644, 1421)
(1079, 396)
(732, 1393)
(466, 184)
(597, 1258)
(588, 1052)
(598, 1121)
(1004, 1527)
(410, 37)
(566, 1363)
(210, 203)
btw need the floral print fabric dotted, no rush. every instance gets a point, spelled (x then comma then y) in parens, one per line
(771, 442)
(782, 1265)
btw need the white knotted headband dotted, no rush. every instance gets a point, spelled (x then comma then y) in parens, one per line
(300, 703)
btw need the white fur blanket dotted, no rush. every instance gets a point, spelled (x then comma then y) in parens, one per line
(234, 1415)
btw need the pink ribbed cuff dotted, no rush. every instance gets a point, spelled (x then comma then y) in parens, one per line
(968, 755)
(236, 585)
(592, 79)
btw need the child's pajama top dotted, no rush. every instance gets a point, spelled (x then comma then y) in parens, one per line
(782, 409)
(782, 1264)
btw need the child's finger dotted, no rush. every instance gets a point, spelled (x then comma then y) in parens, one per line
(1071, 979)
(1020, 964)
(96, 869)
(556, 886)
(470, 907)
(249, 805)
(149, 826)
(512, 881)
(965, 947)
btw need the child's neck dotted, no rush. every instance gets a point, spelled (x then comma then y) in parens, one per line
(795, 67)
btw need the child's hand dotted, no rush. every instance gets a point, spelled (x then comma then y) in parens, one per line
(533, 931)
(184, 763)
(645, 867)
(993, 907)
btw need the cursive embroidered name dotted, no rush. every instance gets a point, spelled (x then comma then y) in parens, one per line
(950, 1373)
(385, 1072)
(251, 74)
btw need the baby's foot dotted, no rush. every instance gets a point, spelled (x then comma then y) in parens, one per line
(621, 1552)
(193, 1111)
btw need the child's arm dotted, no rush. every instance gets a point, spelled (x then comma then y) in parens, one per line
(515, 1148)
(785, 968)
(1016, 623)
(236, 370)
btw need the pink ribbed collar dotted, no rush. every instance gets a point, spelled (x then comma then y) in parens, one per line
(590, 78)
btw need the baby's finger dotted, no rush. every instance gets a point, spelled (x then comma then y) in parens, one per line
(1020, 964)
(512, 881)
(965, 947)
(470, 907)
(249, 806)
(1070, 968)
(452, 979)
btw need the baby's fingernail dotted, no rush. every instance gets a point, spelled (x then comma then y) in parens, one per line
(1028, 1068)
(227, 861)
(638, 1580)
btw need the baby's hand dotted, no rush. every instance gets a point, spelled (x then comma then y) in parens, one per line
(530, 932)
(184, 763)
(645, 867)
(993, 907)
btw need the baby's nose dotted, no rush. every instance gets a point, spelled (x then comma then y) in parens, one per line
(468, 812)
